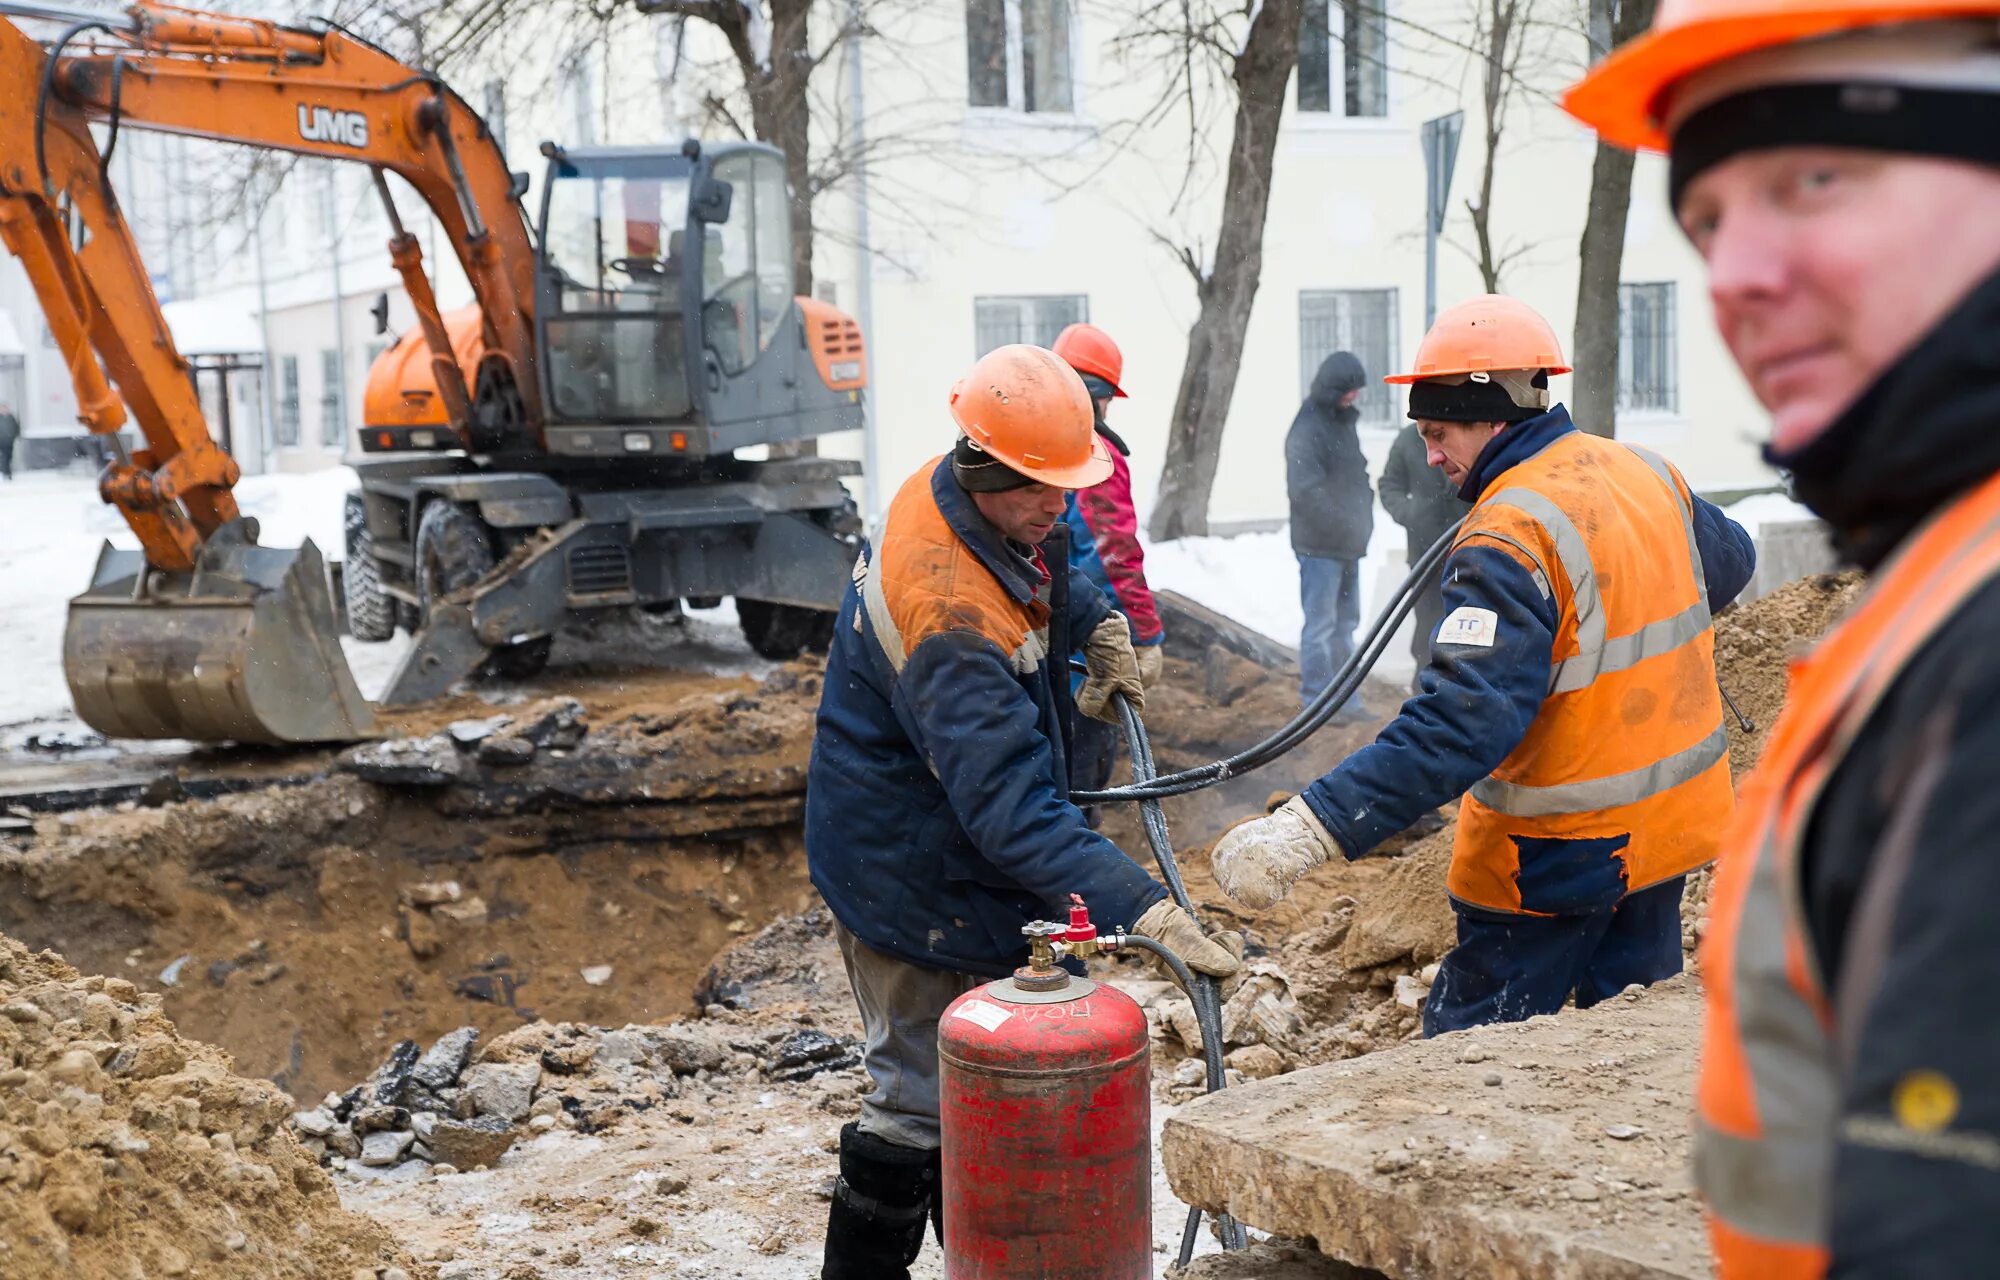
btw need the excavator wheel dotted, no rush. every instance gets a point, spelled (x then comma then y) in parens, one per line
(371, 611)
(454, 550)
(780, 632)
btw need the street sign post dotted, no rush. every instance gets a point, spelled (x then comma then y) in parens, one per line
(1440, 158)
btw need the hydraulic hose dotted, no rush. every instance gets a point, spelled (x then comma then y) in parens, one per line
(1203, 992)
(1148, 789)
(1312, 717)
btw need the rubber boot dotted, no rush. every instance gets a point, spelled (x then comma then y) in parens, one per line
(881, 1205)
(937, 1200)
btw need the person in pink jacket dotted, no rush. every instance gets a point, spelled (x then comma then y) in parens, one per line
(1104, 544)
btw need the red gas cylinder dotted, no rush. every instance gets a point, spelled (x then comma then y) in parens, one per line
(1045, 1101)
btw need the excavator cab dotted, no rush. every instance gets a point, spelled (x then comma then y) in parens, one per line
(666, 309)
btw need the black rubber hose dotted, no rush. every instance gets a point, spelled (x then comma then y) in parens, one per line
(1313, 717)
(1211, 1051)
(1203, 992)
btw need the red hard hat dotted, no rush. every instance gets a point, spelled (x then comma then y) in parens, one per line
(1088, 349)
(1624, 95)
(1030, 410)
(1483, 334)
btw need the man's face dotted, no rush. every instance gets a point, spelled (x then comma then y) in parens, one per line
(1452, 447)
(1348, 398)
(1024, 515)
(1826, 265)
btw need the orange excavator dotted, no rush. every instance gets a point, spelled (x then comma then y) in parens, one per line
(569, 443)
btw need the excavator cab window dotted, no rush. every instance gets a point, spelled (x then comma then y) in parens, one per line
(747, 262)
(612, 248)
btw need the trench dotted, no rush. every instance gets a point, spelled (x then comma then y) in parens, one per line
(307, 930)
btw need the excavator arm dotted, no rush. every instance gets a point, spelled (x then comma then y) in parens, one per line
(332, 94)
(80, 257)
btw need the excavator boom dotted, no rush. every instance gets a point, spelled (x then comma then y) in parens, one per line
(202, 633)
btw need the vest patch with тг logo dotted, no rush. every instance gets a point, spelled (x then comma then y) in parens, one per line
(1467, 625)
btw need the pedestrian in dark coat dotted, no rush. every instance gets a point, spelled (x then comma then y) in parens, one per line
(1333, 513)
(1419, 497)
(10, 431)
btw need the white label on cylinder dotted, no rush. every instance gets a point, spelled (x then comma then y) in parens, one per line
(986, 1015)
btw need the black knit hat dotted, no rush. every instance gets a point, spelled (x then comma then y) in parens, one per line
(1471, 400)
(978, 471)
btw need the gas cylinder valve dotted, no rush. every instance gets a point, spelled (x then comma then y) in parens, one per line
(1049, 942)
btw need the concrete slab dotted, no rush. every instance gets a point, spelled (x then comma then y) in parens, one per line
(1556, 1149)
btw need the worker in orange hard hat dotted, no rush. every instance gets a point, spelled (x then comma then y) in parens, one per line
(1837, 166)
(1570, 698)
(1104, 544)
(937, 813)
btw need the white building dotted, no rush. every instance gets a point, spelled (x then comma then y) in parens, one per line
(1016, 190)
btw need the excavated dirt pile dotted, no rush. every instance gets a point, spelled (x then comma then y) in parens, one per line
(523, 864)
(127, 1152)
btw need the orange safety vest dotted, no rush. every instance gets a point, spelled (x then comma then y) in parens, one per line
(1629, 741)
(1768, 1099)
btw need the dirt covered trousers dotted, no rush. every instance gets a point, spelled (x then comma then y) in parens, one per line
(1780, 1042)
(1508, 967)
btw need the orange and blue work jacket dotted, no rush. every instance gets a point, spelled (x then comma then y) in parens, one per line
(1799, 1082)
(1571, 695)
(937, 812)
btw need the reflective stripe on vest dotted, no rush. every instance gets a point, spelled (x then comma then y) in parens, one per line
(1598, 655)
(1593, 794)
(1769, 1096)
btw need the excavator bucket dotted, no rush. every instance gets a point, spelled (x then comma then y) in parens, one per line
(245, 649)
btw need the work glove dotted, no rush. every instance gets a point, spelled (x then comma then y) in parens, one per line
(1152, 662)
(1110, 667)
(1177, 931)
(1258, 863)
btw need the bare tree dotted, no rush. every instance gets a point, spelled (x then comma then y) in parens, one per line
(1192, 41)
(1601, 254)
(1500, 38)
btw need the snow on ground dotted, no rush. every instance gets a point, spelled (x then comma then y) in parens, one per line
(51, 526)
(1758, 510)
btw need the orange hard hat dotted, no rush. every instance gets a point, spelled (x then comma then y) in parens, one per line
(1088, 349)
(1029, 409)
(1483, 334)
(1624, 96)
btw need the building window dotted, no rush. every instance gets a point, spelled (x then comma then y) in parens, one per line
(1018, 55)
(332, 424)
(288, 401)
(1362, 321)
(1354, 81)
(1648, 358)
(1036, 321)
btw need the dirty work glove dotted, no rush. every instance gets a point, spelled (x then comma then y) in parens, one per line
(1152, 662)
(1111, 667)
(1177, 931)
(1258, 862)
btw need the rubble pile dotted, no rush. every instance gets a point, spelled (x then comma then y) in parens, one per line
(128, 1151)
(458, 1107)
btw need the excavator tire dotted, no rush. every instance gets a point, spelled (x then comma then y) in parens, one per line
(455, 550)
(781, 632)
(371, 611)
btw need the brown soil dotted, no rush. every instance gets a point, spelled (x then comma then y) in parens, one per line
(1755, 642)
(322, 922)
(128, 1151)
(307, 928)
